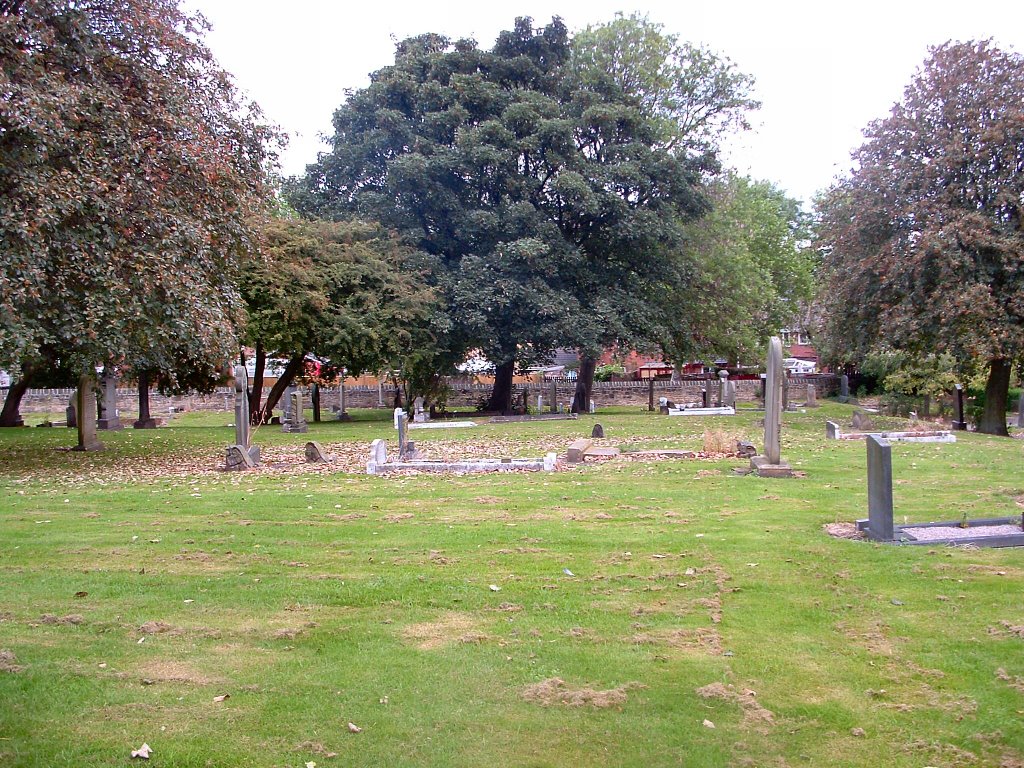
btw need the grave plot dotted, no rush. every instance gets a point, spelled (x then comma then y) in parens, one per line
(834, 432)
(422, 420)
(879, 525)
(409, 458)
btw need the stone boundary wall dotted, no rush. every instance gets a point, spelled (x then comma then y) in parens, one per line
(605, 393)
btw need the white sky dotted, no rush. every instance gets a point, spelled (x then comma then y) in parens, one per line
(824, 69)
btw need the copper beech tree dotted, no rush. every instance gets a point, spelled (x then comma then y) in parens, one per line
(130, 173)
(922, 245)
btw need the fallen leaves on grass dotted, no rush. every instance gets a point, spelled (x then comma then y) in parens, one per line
(70, 619)
(753, 713)
(843, 531)
(554, 690)
(1014, 681)
(8, 662)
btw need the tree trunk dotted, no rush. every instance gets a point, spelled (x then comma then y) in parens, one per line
(501, 395)
(11, 414)
(997, 389)
(145, 420)
(584, 384)
(314, 398)
(256, 393)
(293, 369)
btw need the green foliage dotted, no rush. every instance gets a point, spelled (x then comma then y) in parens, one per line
(346, 291)
(747, 273)
(606, 372)
(901, 372)
(128, 170)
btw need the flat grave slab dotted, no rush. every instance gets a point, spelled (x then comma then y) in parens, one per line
(441, 424)
(723, 411)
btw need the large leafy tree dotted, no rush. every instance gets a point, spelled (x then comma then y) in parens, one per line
(129, 171)
(923, 247)
(746, 272)
(348, 292)
(687, 97)
(533, 188)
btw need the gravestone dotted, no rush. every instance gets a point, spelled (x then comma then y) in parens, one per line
(812, 396)
(298, 421)
(771, 464)
(526, 400)
(844, 387)
(650, 395)
(315, 453)
(861, 421)
(405, 448)
(761, 388)
(314, 399)
(723, 389)
(728, 390)
(242, 455)
(419, 416)
(785, 391)
(597, 431)
(593, 407)
(71, 412)
(109, 418)
(959, 423)
(705, 398)
(1020, 410)
(880, 526)
(343, 414)
(554, 397)
(287, 404)
(745, 450)
(86, 407)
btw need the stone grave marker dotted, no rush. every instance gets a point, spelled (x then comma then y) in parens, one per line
(314, 399)
(650, 395)
(343, 414)
(554, 397)
(315, 453)
(812, 396)
(242, 455)
(597, 431)
(880, 525)
(419, 415)
(87, 440)
(723, 377)
(1020, 410)
(771, 464)
(405, 448)
(71, 412)
(844, 387)
(959, 423)
(861, 421)
(109, 420)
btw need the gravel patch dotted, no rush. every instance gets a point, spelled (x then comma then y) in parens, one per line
(956, 532)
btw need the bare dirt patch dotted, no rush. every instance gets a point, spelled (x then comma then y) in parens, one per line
(397, 517)
(72, 619)
(159, 628)
(8, 662)
(449, 629)
(1014, 681)
(554, 690)
(753, 713)
(173, 671)
(1008, 628)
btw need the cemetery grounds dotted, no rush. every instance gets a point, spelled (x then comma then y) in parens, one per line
(620, 613)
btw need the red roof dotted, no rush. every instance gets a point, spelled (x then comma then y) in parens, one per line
(803, 351)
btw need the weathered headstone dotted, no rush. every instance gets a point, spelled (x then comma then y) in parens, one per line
(812, 396)
(771, 464)
(723, 386)
(343, 414)
(401, 423)
(705, 398)
(1020, 410)
(288, 404)
(71, 412)
(419, 415)
(762, 387)
(597, 431)
(959, 422)
(844, 386)
(785, 390)
(87, 440)
(745, 450)
(880, 525)
(379, 451)
(315, 453)
(109, 420)
(593, 407)
(241, 455)
(554, 397)
(861, 421)
(832, 430)
(650, 395)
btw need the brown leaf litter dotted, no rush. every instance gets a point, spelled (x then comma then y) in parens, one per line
(753, 713)
(70, 619)
(8, 662)
(704, 639)
(1008, 628)
(554, 690)
(1014, 681)
(843, 531)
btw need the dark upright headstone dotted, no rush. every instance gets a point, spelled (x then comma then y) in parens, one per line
(314, 398)
(650, 395)
(71, 412)
(597, 431)
(880, 526)
(959, 422)
(844, 386)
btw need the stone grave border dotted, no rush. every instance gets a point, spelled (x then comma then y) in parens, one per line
(834, 432)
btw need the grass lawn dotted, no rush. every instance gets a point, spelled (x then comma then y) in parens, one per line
(624, 613)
